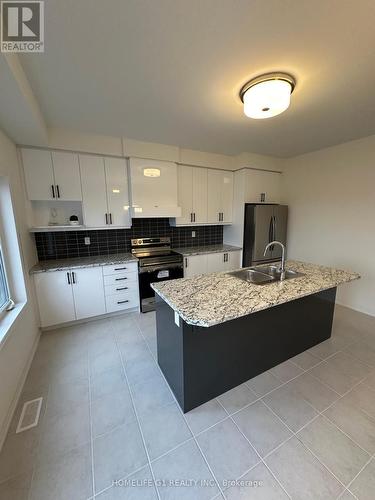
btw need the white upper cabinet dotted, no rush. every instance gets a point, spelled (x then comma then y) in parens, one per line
(39, 178)
(94, 192)
(105, 191)
(220, 196)
(67, 177)
(263, 186)
(116, 175)
(51, 176)
(192, 195)
(154, 188)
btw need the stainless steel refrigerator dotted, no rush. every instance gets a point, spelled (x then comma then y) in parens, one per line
(263, 224)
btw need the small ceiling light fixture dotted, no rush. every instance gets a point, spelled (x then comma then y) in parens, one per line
(151, 172)
(267, 95)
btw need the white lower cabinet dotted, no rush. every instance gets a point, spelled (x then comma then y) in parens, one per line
(211, 263)
(55, 297)
(74, 294)
(121, 287)
(195, 264)
(216, 262)
(88, 292)
(234, 260)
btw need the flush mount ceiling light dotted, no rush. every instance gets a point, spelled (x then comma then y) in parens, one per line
(267, 95)
(151, 172)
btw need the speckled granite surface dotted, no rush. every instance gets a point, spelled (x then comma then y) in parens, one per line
(99, 260)
(200, 250)
(210, 299)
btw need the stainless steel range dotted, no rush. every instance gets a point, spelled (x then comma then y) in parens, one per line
(157, 262)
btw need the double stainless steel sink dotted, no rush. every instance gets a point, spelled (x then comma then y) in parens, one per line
(262, 275)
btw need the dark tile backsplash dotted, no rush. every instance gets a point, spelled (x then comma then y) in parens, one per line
(69, 244)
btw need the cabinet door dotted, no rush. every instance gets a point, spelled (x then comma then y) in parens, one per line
(67, 177)
(195, 264)
(185, 194)
(88, 291)
(214, 195)
(116, 174)
(55, 297)
(94, 194)
(258, 182)
(227, 196)
(37, 165)
(233, 260)
(199, 191)
(215, 262)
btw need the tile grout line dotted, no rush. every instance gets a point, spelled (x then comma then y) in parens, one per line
(91, 431)
(39, 439)
(255, 450)
(183, 416)
(279, 418)
(137, 417)
(294, 434)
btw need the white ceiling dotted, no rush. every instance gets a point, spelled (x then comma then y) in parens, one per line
(169, 71)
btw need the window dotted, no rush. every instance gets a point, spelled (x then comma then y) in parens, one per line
(4, 291)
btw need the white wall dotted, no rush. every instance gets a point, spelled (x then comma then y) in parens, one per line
(17, 348)
(331, 198)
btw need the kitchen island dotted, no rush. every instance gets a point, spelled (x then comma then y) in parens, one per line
(216, 331)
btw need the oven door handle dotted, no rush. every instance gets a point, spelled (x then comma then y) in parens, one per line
(151, 269)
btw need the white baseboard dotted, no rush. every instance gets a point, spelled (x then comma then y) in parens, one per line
(21, 383)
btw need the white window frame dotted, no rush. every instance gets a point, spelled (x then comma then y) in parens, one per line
(9, 304)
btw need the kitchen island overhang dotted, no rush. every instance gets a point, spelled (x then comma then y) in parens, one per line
(202, 361)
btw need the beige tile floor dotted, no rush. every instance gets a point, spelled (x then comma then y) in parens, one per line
(303, 430)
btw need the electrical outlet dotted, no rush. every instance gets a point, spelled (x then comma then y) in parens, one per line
(87, 240)
(193, 234)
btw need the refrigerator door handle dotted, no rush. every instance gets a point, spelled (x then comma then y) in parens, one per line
(270, 230)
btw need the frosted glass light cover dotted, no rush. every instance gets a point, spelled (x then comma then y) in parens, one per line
(267, 99)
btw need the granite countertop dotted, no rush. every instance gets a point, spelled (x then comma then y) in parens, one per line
(210, 299)
(204, 249)
(80, 262)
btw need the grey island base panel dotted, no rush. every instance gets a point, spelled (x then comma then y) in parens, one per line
(201, 363)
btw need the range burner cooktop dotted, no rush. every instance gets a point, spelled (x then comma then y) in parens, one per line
(157, 262)
(154, 251)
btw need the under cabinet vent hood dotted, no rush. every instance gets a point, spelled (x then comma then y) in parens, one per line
(153, 187)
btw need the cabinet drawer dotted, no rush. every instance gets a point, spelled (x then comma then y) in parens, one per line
(116, 279)
(121, 301)
(120, 268)
(127, 287)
